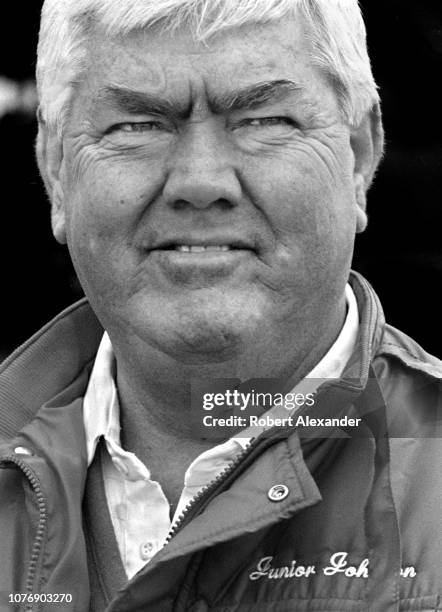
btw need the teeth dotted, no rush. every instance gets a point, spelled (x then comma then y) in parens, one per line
(201, 249)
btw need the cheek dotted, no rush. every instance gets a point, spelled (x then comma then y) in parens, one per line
(99, 223)
(306, 194)
(107, 202)
(308, 202)
(112, 185)
(87, 238)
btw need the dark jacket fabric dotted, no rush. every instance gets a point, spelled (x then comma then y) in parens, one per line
(358, 525)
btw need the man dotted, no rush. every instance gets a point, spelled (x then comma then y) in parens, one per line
(207, 165)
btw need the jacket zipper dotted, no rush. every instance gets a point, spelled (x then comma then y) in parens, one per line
(42, 522)
(189, 510)
(246, 456)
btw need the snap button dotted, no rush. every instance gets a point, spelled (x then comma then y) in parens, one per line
(21, 450)
(147, 550)
(278, 492)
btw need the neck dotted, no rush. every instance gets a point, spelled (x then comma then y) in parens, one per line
(156, 390)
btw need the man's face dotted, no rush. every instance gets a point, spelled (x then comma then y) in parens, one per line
(218, 202)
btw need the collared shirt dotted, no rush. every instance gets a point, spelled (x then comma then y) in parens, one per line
(138, 507)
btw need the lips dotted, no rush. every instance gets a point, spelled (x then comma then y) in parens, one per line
(200, 260)
(189, 244)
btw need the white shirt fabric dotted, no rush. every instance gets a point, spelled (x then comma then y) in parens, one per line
(138, 507)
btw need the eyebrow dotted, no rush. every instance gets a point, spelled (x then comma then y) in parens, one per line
(255, 95)
(136, 102)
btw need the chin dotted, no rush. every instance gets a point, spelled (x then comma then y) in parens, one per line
(208, 336)
(200, 330)
(209, 345)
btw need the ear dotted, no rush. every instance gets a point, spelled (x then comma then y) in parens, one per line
(49, 152)
(367, 143)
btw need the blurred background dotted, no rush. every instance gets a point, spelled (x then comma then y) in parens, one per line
(400, 253)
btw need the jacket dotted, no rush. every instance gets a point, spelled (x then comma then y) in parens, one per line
(307, 518)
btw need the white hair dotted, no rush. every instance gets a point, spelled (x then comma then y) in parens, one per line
(335, 28)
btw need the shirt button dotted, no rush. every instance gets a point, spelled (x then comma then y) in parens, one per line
(147, 550)
(277, 493)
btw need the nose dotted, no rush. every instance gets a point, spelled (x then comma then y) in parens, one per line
(201, 172)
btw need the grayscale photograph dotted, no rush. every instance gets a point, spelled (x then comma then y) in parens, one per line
(220, 347)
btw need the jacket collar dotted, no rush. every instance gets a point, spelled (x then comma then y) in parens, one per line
(371, 331)
(47, 365)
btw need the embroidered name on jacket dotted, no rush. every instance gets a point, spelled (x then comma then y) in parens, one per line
(338, 564)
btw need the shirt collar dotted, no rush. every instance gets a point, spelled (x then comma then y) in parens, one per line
(334, 361)
(101, 413)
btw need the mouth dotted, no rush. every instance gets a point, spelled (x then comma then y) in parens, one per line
(200, 245)
(192, 259)
(203, 248)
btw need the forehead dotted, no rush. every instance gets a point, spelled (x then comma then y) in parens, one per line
(175, 64)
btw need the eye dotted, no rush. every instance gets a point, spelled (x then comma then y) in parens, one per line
(272, 125)
(269, 121)
(137, 127)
